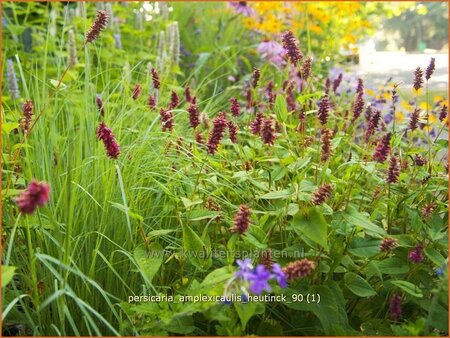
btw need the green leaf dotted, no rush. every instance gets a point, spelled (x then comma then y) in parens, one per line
(362, 247)
(330, 310)
(435, 256)
(188, 203)
(281, 108)
(150, 262)
(7, 274)
(283, 194)
(7, 127)
(269, 328)
(393, 266)
(246, 311)
(292, 209)
(303, 98)
(217, 276)
(358, 285)
(300, 163)
(196, 251)
(354, 217)
(372, 269)
(313, 226)
(408, 287)
(55, 83)
(250, 239)
(201, 214)
(160, 232)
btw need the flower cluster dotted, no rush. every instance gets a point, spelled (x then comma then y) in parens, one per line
(36, 195)
(430, 69)
(167, 122)
(232, 130)
(419, 161)
(194, 113)
(152, 101)
(267, 132)
(336, 83)
(235, 108)
(394, 170)
(322, 194)
(418, 79)
(187, 94)
(388, 244)
(373, 121)
(241, 220)
(255, 126)
(290, 44)
(306, 68)
(416, 255)
(258, 277)
(324, 108)
(106, 135)
(155, 79)
(383, 149)
(428, 209)
(414, 119)
(326, 136)
(100, 106)
(137, 91)
(299, 269)
(443, 113)
(395, 306)
(27, 115)
(358, 105)
(219, 126)
(97, 26)
(174, 100)
(255, 77)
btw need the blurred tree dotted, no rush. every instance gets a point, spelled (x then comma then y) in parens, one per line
(422, 24)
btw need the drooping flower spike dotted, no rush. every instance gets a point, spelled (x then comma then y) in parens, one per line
(106, 135)
(36, 195)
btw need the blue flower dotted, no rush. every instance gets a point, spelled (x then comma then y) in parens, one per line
(279, 275)
(246, 268)
(259, 280)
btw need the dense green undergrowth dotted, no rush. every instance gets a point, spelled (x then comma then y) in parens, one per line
(318, 183)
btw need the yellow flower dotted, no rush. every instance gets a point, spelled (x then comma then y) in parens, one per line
(370, 92)
(406, 105)
(425, 106)
(432, 118)
(399, 117)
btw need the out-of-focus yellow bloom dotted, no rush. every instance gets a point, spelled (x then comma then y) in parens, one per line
(432, 119)
(425, 106)
(370, 92)
(406, 105)
(319, 18)
(399, 117)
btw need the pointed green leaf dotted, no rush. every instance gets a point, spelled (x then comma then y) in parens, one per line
(358, 285)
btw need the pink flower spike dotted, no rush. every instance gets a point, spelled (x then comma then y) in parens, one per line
(36, 195)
